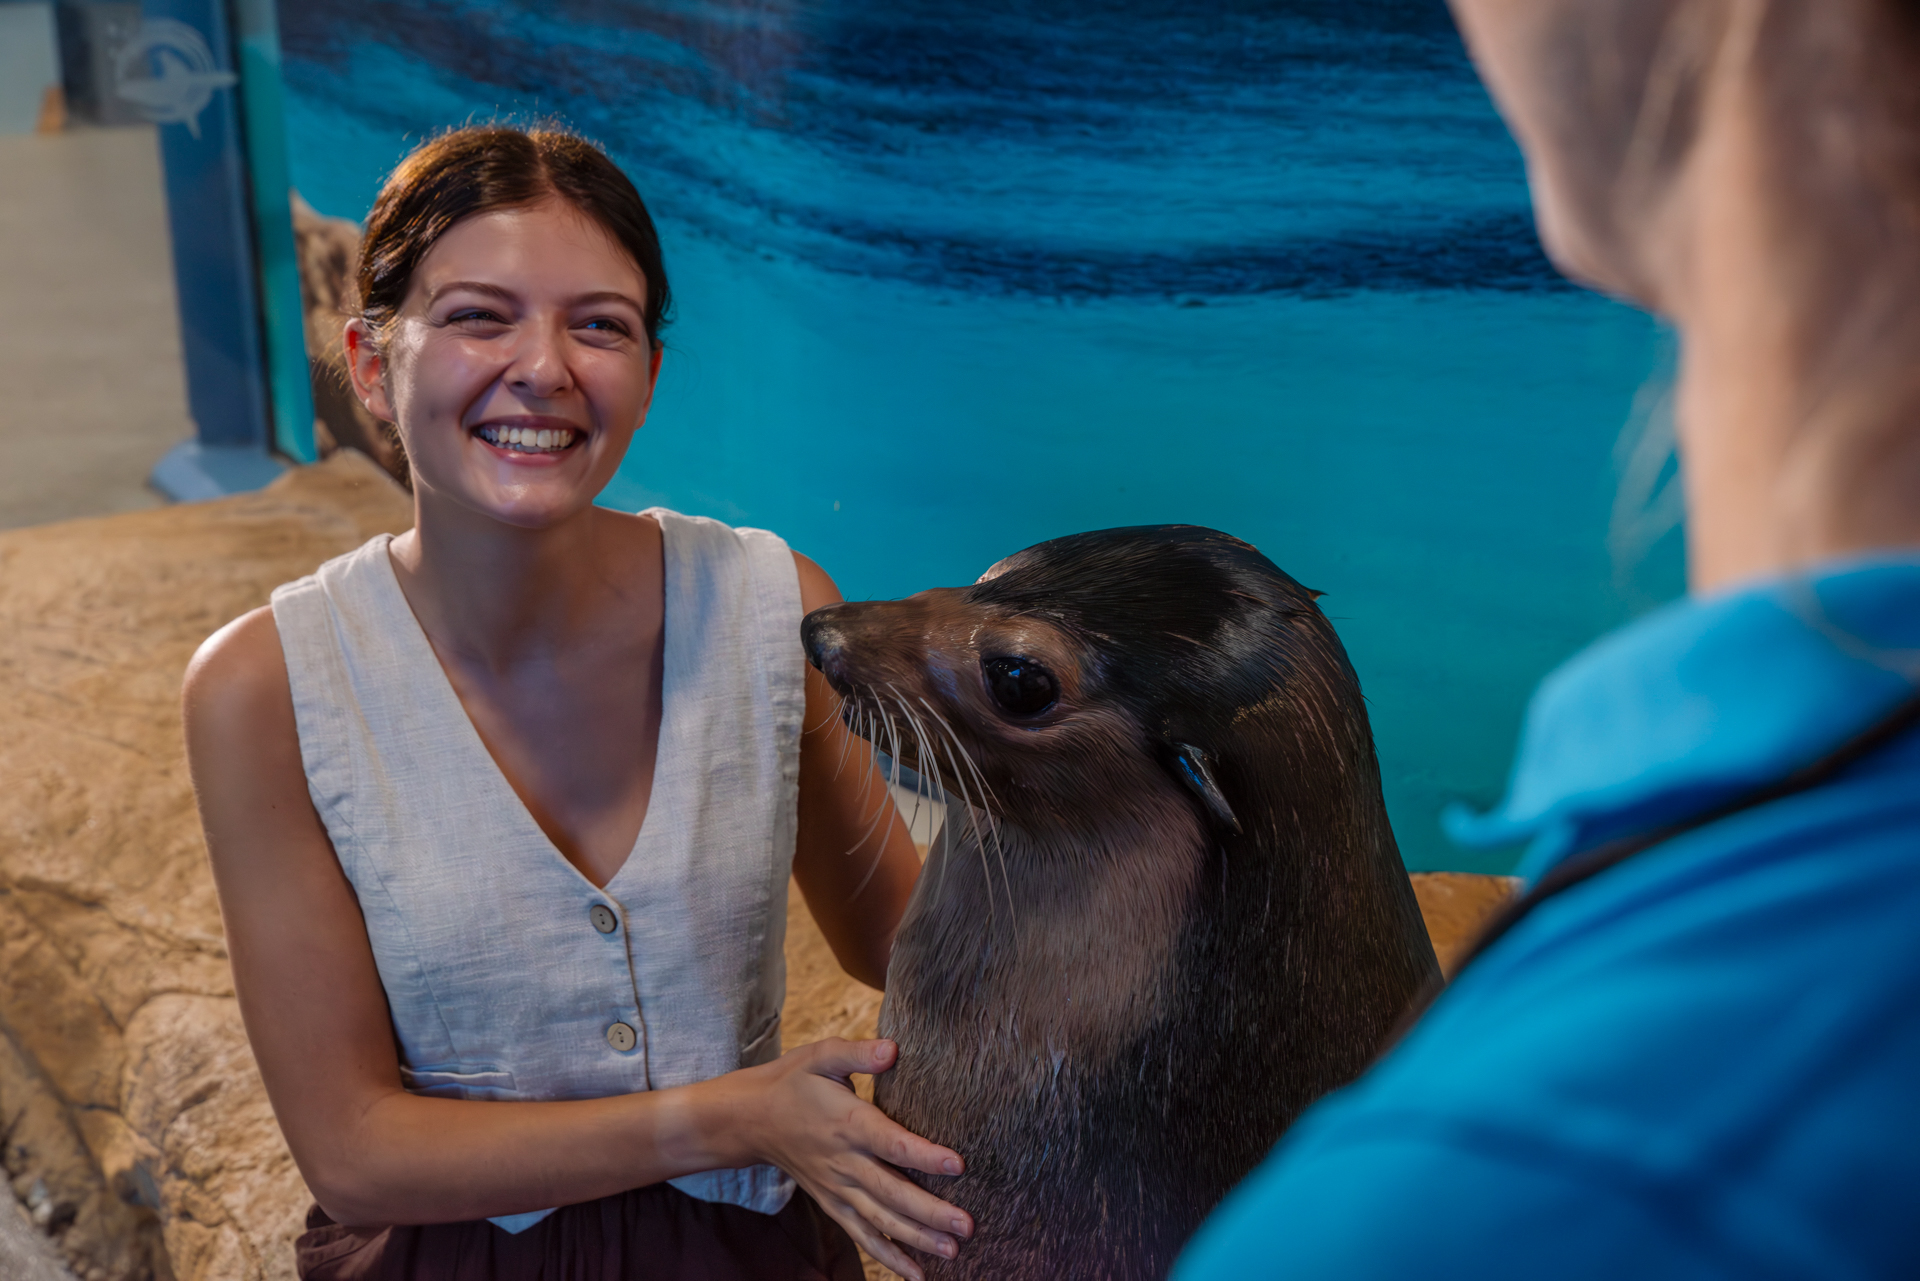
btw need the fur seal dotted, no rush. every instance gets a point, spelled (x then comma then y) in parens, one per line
(1166, 912)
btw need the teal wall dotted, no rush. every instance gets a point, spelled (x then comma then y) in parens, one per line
(956, 277)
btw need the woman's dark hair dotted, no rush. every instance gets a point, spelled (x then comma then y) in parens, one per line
(486, 167)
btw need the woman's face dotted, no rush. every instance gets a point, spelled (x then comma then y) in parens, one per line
(518, 368)
(1572, 79)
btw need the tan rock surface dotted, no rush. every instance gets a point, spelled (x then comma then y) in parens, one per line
(25, 1252)
(132, 1118)
(328, 250)
(127, 1091)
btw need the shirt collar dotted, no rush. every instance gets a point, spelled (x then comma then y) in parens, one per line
(1702, 701)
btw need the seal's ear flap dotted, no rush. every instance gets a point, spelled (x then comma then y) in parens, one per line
(1192, 767)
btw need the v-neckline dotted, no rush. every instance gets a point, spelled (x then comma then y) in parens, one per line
(416, 634)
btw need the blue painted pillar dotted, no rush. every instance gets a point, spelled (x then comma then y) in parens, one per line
(181, 71)
(289, 376)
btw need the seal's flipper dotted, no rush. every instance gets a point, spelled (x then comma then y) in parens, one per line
(1190, 766)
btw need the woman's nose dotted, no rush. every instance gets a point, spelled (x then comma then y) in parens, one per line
(540, 363)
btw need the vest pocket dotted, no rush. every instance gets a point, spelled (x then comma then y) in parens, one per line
(460, 1081)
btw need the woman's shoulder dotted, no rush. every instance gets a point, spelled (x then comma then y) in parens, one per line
(238, 681)
(236, 686)
(817, 588)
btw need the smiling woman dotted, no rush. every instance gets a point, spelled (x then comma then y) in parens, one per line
(501, 178)
(517, 375)
(502, 810)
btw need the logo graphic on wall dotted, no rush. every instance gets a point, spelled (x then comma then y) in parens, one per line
(168, 73)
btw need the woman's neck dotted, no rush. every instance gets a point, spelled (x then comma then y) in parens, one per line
(499, 593)
(1801, 439)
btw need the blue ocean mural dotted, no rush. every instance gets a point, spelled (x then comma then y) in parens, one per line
(954, 277)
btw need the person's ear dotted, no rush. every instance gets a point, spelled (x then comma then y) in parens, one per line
(653, 380)
(653, 372)
(367, 369)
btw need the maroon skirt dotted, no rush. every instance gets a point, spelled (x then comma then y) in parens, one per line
(656, 1231)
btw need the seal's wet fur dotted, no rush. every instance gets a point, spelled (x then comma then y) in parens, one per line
(1166, 911)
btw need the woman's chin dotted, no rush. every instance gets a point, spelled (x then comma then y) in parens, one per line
(527, 499)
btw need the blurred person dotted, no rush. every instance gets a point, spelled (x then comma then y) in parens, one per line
(502, 810)
(1694, 1052)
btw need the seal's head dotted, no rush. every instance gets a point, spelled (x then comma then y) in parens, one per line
(1040, 690)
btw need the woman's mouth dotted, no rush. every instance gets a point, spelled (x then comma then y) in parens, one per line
(528, 440)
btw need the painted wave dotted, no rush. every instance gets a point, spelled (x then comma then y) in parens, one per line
(1059, 148)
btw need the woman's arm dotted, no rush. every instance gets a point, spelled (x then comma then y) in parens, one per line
(372, 1153)
(855, 860)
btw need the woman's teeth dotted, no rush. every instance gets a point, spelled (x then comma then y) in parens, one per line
(526, 440)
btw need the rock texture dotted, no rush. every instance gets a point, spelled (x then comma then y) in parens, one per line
(328, 250)
(133, 1119)
(134, 1129)
(25, 1252)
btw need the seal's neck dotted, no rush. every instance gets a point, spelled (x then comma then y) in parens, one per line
(1059, 941)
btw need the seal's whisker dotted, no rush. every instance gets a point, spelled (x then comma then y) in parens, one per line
(924, 753)
(865, 880)
(928, 760)
(962, 749)
(892, 776)
(973, 822)
(893, 745)
(841, 712)
(872, 730)
(920, 757)
(873, 825)
(949, 742)
(835, 712)
(888, 807)
(993, 821)
(897, 767)
(973, 818)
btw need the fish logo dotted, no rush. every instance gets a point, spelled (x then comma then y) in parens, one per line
(168, 73)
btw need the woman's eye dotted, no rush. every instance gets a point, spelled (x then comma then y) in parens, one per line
(1020, 686)
(607, 325)
(473, 313)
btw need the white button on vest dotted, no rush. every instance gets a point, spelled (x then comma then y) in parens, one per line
(603, 918)
(621, 1037)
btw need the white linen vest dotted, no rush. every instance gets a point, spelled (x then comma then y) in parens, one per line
(509, 975)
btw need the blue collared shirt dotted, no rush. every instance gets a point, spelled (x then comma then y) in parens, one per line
(1702, 1063)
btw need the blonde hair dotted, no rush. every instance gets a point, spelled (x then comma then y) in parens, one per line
(1831, 90)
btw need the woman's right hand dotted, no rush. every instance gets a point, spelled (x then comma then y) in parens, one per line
(802, 1115)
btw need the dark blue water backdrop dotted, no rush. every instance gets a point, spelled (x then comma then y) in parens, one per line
(955, 276)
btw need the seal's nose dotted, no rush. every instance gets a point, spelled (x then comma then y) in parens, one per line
(826, 645)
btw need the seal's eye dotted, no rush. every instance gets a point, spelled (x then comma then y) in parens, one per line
(1021, 686)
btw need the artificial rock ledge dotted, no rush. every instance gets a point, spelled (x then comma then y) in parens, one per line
(133, 1124)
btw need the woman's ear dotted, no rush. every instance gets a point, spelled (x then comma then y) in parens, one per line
(653, 376)
(366, 369)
